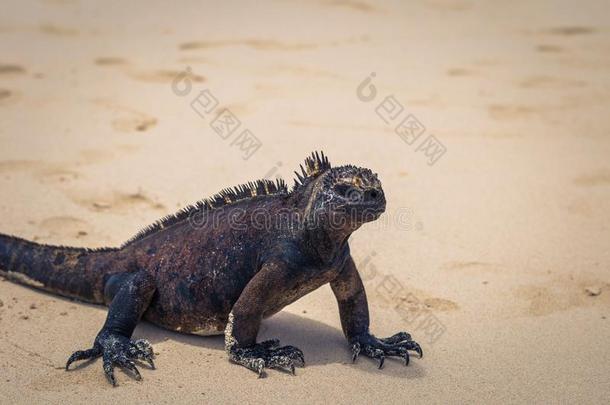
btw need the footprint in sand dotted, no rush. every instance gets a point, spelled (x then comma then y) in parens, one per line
(110, 61)
(45, 172)
(572, 30)
(459, 72)
(117, 202)
(411, 299)
(550, 82)
(450, 5)
(61, 2)
(472, 269)
(88, 156)
(599, 178)
(194, 59)
(134, 123)
(128, 120)
(6, 95)
(510, 112)
(269, 44)
(415, 302)
(561, 295)
(546, 48)
(64, 226)
(582, 207)
(351, 4)
(440, 304)
(162, 76)
(10, 166)
(56, 174)
(56, 30)
(64, 171)
(239, 109)
(467, 265)
(9, 69)
(258, 44)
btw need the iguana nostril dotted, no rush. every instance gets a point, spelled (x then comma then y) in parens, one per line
(372, 194)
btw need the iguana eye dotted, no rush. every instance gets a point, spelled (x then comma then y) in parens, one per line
(343, 189)
(349, 192)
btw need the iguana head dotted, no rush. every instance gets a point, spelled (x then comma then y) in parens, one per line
(347, 196)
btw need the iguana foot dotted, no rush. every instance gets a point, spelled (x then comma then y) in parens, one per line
(117, 350)
(397, 345)
(268, 354)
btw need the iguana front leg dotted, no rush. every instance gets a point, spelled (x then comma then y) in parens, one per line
(130, 295)
(244, 321)
(354, 312)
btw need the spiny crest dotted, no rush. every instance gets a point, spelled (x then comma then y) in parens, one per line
(225, 197)
(315, 165)
(353, 173)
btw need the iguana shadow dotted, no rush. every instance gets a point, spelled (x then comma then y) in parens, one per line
(322, 344)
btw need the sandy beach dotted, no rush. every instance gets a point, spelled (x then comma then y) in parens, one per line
(487, 123)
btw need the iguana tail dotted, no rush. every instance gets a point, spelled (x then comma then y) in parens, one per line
(66, 271)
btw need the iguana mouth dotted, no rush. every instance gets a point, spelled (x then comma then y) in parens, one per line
(373, 207)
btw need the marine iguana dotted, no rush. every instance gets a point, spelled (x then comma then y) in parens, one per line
(221, 266)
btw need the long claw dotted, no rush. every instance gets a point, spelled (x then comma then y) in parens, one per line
(138, 376)
(414, 346)
(301, 359)
(397, 345)
(260, 368)
(151, 363)
(381, 360)
(419, 350)
(131, 366)
(267, 354)
(109, 371)
(355, 351)
(117, 350)
(377, 354)
(82, 355)
(75, 356)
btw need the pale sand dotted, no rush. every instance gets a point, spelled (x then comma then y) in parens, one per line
(503, 235)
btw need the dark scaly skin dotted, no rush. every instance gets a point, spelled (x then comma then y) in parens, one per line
(224, 265)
